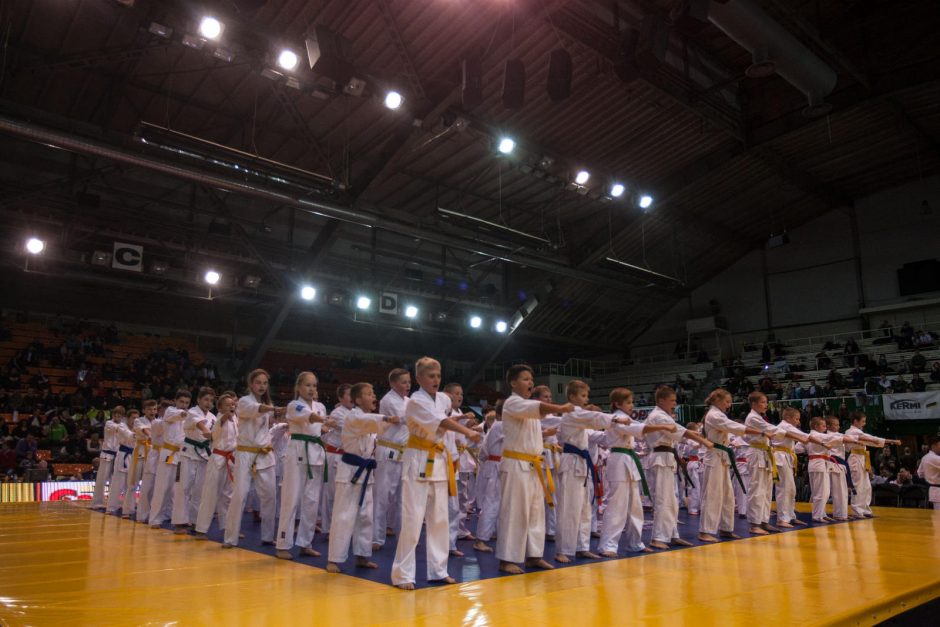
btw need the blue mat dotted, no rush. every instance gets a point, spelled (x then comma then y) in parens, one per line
(474, 566)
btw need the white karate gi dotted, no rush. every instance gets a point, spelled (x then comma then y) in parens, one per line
(861, 476)
(694, 454)
(253, 432)
(424, 498)
(192, 472)
(109, 449)
(303, 475)
(552, 462)
(521, 526)
(760, 488)
(217, 486)
(138, 461)
(574, 500)
(150, 469)
(839, 487)
(122, 464)
(929, 471)
(820, 470)
(388, 456)
(740, 458)
(786, 470)
(167, 465)
(717, 489)
(624, 511)
(334, 451)
(352, 521)
(489, 488)
(663, 476)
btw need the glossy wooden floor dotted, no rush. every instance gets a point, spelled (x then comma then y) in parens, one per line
(63, 565)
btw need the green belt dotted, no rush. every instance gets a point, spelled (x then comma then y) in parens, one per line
(734, 464)
(636, 460)
(308, 440)
(205, 445)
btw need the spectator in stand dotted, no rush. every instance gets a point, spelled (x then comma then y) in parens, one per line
(882, 363)
(918, 362)
(935, 372)
(28, 463)
(908, 460)
(904, 478)
(857, 378)
(57, 433)
(918, 384)
(8, 462)
(899, 385)
(835, 379)
(884, 383)
(26, 446)
(904, 366)
(850, 352)
(823, 361)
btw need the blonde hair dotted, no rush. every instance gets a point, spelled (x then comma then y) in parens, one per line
(663, 392)
(574, 386)
(816, 421)
(790, 411)
(300, 379)
(620, 395)
(716, 395)
(254, 374)
(425, 364)
(754, 397)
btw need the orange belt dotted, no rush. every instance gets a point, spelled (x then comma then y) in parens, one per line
(230, 459)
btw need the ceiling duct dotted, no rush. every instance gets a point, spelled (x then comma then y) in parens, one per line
(775, 49)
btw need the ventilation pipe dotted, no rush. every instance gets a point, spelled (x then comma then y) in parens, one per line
(774, 49)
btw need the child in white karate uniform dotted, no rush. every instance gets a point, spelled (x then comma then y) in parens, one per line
(217, 485)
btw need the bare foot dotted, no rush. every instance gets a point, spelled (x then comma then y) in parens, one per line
(730, 535)
(481, 546)
(389, 532)
(784, 525)
(308, 551)
(363, 562)
(588, 555)
(284, 555)
(608, 554)
(509, 567)
(444, 580)
(680, 542)
(564, 559)
(538, 562)
(405, 586)
(646, 549)
(707, 537)
(797, 521)
(456, 553)
(333, 568)
(656, 544)
(376, 547)
(757, 531)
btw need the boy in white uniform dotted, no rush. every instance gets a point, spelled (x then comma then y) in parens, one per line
(139, 458)
(195, 453)
(577, 467)
(860, 464)
(388, 454)
(551, 452)
(109, 450)
(929, 471)
(786, 460)
(624, 477)
(427, 478)
(740, 448)
(126, 441)
(303, 468)
(167, 472)
(147, 484)
(352, 509)
(456, 444)
(822, 466)
(333, 441)
(663, 469)
(220, 469)
(693, 454)
(521, 526)
(761, 466)
(488, 486)
(254, 459)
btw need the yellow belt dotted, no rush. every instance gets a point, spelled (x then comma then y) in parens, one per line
(545, 473)
(432, 448)
(773, 463)
(146, 446)
(864, 451)
(790, 452)
(173, 449)
(257, 450)
(389, 444)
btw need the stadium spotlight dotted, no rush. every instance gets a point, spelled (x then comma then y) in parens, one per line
(411, 311)
(616, 190)
(308, 292)
(287, 59)
(646, 201)
(506, 145)
(34, 245)
(501, 326)
(210, 27)
(363, 302)
(582, 177)
(393, 100)
(476, 322)
(212, 277)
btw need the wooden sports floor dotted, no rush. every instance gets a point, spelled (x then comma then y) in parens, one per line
(63, 565)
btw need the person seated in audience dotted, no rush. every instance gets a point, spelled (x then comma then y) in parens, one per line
(883, 363)
(918, 362)
(935, 372)
(8, 462)
(823, 361)
(899, 385)
(850, 352)
(904, 366)
(918, 384)
(904, 478)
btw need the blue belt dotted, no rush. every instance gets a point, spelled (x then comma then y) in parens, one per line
(582, 453)
(848, 473)
(364, 464)
(104, 450)
(127, 450)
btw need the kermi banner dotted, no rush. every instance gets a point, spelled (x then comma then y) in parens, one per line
(915, 406)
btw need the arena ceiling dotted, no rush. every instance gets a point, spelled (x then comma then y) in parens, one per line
(336, 189)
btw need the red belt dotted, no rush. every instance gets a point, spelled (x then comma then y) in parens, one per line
(742, 460)
(692, 458)
(333, 449)
(230, 459)
(826, 457)
(495, 458)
